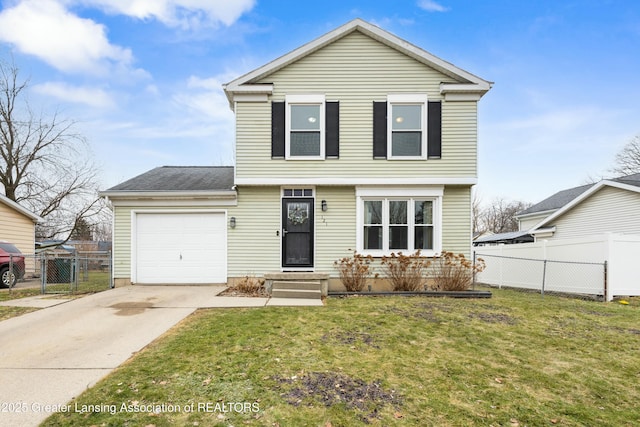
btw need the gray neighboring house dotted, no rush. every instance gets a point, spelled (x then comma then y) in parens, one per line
(608, 206)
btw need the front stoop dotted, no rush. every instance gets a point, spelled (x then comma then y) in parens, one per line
(297, 285)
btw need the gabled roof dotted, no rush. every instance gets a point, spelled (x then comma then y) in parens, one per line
(467, 82)
(629, 183)
(555, 201)
(562, 198)
(187, 180)
(15, 206)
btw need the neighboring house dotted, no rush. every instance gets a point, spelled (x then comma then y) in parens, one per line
(18, 225)
(357, 140)
(609, 206)
(508, 238)
(531, 216)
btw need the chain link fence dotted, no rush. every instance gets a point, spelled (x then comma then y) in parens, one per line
(586, 280)
(59, 272)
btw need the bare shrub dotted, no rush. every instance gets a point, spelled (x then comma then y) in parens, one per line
(406, 272)
(250, 285)
(354, 271)
(454, 272)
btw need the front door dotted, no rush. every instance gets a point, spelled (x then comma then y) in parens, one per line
(297, 233)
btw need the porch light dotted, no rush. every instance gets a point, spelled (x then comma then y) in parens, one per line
(324, 205)
(232, 222)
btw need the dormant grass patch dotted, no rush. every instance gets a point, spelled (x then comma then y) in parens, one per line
(514, 360)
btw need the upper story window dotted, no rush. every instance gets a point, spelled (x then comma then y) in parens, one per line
(305, 127)
(407, 126)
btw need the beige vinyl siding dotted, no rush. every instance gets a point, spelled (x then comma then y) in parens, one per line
(526, 224)
(608, 210)
(17, 228)
(122, 242)
(341, 73)
(456, 220)
(254, 245)
(335, 228)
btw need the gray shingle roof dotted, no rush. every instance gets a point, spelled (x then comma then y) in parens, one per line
(509, 237)
(563, 197)
(556, 201)
(630, 179)
(180, 178)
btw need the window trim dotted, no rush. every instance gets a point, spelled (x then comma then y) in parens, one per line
(309, 99)
(434, 194)
(408, 99)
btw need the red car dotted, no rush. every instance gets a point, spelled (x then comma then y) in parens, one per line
(10, 255)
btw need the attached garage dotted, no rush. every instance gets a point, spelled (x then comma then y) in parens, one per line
(181, 247)
(170, 225)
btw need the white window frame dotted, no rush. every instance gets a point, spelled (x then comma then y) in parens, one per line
(293, 100)
(407, 99)
(432, 193)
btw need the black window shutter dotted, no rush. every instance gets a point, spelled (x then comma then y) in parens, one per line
(379, 130)
(434, 130)
(277, 130)
(332, 130)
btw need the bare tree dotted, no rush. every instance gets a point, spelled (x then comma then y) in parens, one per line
(627, 161)
(45, 164)
(476, 213)
(500, 215)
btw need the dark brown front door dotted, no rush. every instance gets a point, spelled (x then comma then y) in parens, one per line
(297, 233)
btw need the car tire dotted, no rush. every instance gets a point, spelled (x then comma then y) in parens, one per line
(7, 278)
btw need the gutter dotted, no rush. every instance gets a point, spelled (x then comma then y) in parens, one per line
(176, 194)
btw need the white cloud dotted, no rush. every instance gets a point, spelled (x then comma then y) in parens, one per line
(49, 30)
(431, 6)
(205, 97)
(92, 97)
(44, 28)
(178, 13)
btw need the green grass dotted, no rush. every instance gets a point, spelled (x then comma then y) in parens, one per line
(94, 281)
(515, 359)
(13, 293)
(9, 294)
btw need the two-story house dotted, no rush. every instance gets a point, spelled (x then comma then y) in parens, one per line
(357, 140)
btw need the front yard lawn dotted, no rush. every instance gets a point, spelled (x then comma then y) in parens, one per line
(514, 360)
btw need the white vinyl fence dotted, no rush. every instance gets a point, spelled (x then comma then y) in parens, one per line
(605, 265)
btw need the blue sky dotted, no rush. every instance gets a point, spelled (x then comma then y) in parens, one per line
(143, 77)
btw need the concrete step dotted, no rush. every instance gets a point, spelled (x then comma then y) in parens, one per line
(296, 293)
(303, 285)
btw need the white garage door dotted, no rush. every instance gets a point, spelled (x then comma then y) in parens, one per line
(180, 248)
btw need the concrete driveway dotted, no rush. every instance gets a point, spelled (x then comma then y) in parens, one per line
(52, 355)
